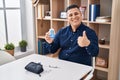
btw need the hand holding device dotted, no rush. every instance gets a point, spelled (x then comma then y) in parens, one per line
(50, 36)
(52, 33)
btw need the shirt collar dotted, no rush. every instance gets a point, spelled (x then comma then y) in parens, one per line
(79, 28)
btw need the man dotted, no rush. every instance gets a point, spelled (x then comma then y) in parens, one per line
(78, 42)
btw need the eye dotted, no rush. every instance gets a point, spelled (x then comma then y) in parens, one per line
(76, 13)
(70, 15)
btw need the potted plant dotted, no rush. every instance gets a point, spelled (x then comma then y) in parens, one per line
(9, 47)
(23, 44)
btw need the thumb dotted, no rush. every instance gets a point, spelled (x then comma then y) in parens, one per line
(84, 34)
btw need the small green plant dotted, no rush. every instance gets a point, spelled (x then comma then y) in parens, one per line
(23, 43)
(9, 46)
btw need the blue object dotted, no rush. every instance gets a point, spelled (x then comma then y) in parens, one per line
(52, 33)
(39, 46)
(94, 11)
(45, 49)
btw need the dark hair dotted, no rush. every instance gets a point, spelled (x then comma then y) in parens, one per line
(72, 6)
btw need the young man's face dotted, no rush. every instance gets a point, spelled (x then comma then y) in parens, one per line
(74, 17)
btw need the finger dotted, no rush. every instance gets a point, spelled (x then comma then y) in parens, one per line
(80, 41)
(84, 34)
(47, 33)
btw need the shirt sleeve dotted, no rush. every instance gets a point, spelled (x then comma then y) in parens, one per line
(93, 48)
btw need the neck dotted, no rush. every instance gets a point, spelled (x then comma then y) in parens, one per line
(74, 28)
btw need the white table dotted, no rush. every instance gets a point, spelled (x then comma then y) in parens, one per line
(66, 70)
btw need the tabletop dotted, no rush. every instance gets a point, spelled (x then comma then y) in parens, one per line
(54, 69)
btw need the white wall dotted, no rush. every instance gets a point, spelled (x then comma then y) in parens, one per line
(30, 29)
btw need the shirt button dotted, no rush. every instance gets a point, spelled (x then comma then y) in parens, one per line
(66, 54)
(71, 40)
(70, 48)
(89, 53)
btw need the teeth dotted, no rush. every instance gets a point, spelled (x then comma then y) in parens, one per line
(75, 20)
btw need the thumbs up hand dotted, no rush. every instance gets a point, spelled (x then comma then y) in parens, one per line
(83, 41)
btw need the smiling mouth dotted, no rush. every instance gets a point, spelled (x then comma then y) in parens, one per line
(75, 20)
